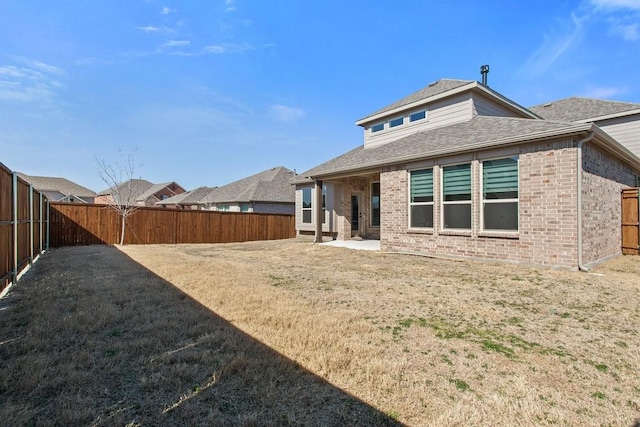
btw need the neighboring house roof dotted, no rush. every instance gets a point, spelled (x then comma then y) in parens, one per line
(584, 109)
(273, 185)
(193, 197)
(149, 192)
(478, 133)
(129, 191)
(60, 185)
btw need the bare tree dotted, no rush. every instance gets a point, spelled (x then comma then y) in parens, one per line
(119, 178)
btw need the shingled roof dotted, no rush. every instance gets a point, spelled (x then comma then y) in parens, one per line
(433, 89)
(582, 109)
(55, 184)
(188, 198)
(477, 133)
(273, 185)
(129, 191)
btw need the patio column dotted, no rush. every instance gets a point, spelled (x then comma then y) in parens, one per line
(317, 210)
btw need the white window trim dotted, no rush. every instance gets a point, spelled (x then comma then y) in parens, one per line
(406, 122)
(483, 201)
(457, 202)
(432, 203)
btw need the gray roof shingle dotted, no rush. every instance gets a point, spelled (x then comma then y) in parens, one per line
(61, 185)
(433, 89)
(193, 197)
(129, 191)
(273, 185)
(477, 133)
(581, 109)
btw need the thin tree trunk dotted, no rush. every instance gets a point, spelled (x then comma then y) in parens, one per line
(124, 218)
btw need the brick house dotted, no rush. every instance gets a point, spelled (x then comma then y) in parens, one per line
(139, 192)
(458, 170)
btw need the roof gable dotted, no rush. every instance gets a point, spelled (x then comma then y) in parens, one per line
(442, 89)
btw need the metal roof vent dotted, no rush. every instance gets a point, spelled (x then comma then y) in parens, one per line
(484, 70)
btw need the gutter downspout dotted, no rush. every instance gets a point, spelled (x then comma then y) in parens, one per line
(588, 138)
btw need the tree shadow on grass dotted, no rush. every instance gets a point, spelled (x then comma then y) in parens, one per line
(90, 337)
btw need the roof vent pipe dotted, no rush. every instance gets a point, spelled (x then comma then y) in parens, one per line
(484, 70)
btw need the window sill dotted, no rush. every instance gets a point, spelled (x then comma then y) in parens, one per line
(500, 234)
(420, 230)
(449, 232)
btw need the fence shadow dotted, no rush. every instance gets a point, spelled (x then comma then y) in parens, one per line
(90, 337)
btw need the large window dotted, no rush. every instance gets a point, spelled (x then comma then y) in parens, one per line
(500, 194)
(456, 197)
(421, 199)
(306, 205)
(375, 204)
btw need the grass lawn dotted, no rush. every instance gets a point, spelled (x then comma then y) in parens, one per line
(290, 333)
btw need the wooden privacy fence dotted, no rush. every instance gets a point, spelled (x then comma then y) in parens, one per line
(630, 222)
(22, 225)
(74, 224)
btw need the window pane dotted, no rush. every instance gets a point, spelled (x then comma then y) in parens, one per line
(306, 198)
(417, 116)
(375, 204)
(377, 128)
(501, 216)
(306, 216)
(422, 186)
(500, 179)
(422, 216)
(457, 182)
(457, 216)
(396, 122)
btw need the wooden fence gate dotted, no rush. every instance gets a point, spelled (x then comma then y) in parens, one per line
(631, 221)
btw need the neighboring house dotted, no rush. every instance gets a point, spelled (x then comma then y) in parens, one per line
(188, 200)
(270, 191)
(139, 192)
(60, 189)
(458, 170)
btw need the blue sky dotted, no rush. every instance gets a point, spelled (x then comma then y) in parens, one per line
(207, 92)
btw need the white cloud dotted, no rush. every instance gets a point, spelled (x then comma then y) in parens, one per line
(283, 113)
(603, 92)
(554, 47)
(616, 4)
(35, 82)
(148, 29)
(230, 6)
(227, 48)
(628, 32)
(166, 11)
(176, 43)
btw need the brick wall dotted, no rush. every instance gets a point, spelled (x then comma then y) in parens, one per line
(548, 206)
(603, 179)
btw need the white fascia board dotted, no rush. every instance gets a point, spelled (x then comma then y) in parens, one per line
(610, 116)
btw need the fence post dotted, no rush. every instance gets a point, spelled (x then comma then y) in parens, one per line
(41, 222)
(31, 230)
(48, 220)
(14, 218)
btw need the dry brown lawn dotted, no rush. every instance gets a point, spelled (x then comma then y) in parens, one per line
(291, 333)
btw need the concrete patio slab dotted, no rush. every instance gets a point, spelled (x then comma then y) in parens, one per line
(358, 244)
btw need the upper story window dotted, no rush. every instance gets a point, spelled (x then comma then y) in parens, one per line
(377, 127)
(396, 122)
(456, 197)
(418, 115)
(500, 194)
